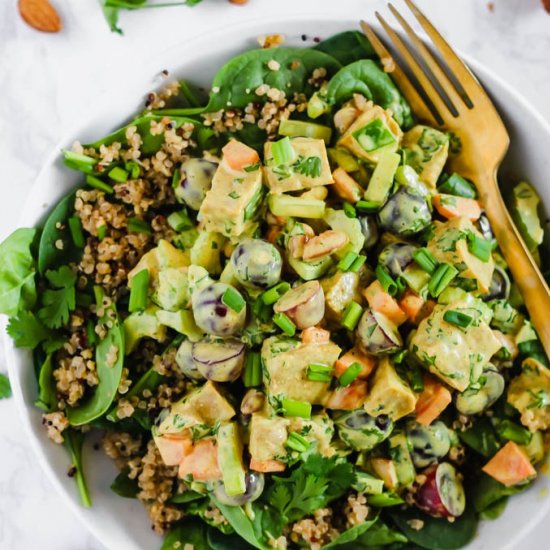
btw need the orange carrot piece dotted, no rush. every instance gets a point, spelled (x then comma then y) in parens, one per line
(202, 461)
(433, 400)
(510, 465)
(349, 397)
(173, 447)
(238, 155)
(415, 307)
(345, 186)
(354, 355)
(450, 206)
(382, 302)
(315, 335)
(273, 232)
(266, 466)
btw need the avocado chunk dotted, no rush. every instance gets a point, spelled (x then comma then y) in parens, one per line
(206, 251)
(400, 453)
(172, 289)
(230, 459)
(286, 362)
(268, 436)
(455, 355)
(389, 394)
(309, 168)
(181, 321)
(524, 209)
(163, 256)
(381, 181)
(142, 324)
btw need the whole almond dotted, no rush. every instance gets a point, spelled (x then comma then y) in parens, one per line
(40, 15)
(546, 4)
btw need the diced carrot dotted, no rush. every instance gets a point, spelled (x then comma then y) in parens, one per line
(345, 186)
(382, 302)
(349, 397)
(415, 307)
(384, 468)
(266, 466)
(315, 335)
(510, 465)
(238, 155)
(354, 355)
(202, 461)
(450, 206)
(173, 447)
(433, 400)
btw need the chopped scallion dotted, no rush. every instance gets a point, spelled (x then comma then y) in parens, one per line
(349, 210)
(367, 206)
(357, 264)
(511, 431)
(458, 186)
(233, 300)
(350, 374)
(75, 227)
(96, 183)
(176, 178)
(133, 169)
(347, 261)
(283, 152)
(317, 372)
(139, 288)
(425, 259)
(179, 221)
(274, 293)
(351, 316)
(479, 247)
(285, 324)
(441, 278)
(252, 375)
(118, 174)
(102, 232)
(291, 407)
(385, 279)
(297, 442)
(458, 318)
(135, 225)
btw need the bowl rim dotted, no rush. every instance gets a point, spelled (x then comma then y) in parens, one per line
(148, 66)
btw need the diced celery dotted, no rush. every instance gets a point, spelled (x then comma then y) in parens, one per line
(381, 180)
(374, 135)
(343, 158)
(317, 106)
(401, 456)
(416, 278)
(283, 152)
(365, 483)
(181, 321)
(310, 270)
(300, 128)
(407, 176)
(298, 207)
(339, 221)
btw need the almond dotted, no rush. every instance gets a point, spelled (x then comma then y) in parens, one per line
(40, 15)
(546, 4)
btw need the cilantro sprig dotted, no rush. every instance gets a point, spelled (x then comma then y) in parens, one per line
(59, 302)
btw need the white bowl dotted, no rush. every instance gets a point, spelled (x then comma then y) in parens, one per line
(122, 524)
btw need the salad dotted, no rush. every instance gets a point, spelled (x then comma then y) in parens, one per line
(286, 313)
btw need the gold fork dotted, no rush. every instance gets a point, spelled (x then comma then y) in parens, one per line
(461, 105)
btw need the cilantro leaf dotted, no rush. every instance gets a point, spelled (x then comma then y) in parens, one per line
(26, 330)
(5, 387)
(308, 166)
(57, 304)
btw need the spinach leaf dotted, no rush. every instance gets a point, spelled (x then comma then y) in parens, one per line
(123, 486)
(486, 491)
(236, 82)
(495, 510)
(367, 78)
(17, 270)
(352, 534)
(74, 440)
(481, 437)
(56, 245)
(201, 508)
(347, 47)
(187, 496)
(47, 393)
(377, 535)
(242, 524)
(188, 531)
(5, 386)
(437, 533)
(109, 358)
(219, 541)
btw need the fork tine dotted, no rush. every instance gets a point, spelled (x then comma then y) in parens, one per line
(405, 85)
(416, 69)
(442, 79)
(461, 72)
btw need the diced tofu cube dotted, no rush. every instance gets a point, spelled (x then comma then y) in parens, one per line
(204, 405)
(309, 169)
(224, 207)
(318, 430)
(389, 394)
(340, 290)
(163, 256)
(373, 132)
(426, 151)
(529, 393)
(453, 354)
(172, 293)
(450, 244)
(286, 362)
(268, 435)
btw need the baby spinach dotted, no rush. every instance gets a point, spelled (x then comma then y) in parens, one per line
(17, 270)
(352, 534)
(74, 440)
(109, 358)
(236, 82)
(486, 491)
(56, 245)
(186, 497)
(481, 437)
(367, 78)
(347, 47)
(123, 486)
(376, 535)
(187, 531)
(47, 394)
(219, 541)
(437, 533)
(5, 386)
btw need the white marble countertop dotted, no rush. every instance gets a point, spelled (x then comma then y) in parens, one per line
(48, 80)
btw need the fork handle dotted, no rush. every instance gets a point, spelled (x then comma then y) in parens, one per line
(525, 271)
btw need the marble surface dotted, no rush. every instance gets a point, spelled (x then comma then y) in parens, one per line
(47, 82)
